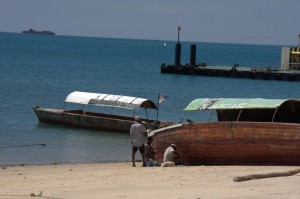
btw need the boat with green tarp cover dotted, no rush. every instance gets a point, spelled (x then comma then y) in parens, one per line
(238, 131)
(111, 120)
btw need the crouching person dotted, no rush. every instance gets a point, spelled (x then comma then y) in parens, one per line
(170, 156)
(150, 154)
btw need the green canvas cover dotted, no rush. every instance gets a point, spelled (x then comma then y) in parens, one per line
(250, 109)
(233, 103)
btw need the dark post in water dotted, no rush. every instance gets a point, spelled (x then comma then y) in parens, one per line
(177, 54)
(193, 55)
(178, 49)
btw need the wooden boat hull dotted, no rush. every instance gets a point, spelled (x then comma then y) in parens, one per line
(232, 143)
(89, 120)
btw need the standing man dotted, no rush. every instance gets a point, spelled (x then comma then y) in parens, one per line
(137, 139)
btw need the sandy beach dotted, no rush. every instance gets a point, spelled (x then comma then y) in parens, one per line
(121, 180)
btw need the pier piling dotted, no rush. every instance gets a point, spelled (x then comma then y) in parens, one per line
(193, 55)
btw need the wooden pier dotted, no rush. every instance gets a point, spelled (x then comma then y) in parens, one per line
(232, 72)
(289, 69)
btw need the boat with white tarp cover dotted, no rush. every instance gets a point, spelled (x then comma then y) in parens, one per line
(85, 118)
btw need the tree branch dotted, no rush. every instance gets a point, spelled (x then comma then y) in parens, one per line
(267, 175)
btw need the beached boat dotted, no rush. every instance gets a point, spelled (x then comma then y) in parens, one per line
(98, 120)
(245, 132)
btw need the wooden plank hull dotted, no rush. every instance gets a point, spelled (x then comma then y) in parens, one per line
(232, 143)
(89, 120)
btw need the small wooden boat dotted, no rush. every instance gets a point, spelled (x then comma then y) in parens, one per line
(246, 132)
(97, 120)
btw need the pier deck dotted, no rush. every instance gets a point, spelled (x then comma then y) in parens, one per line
(263, 73)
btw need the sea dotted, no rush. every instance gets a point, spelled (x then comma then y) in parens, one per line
(42, 70)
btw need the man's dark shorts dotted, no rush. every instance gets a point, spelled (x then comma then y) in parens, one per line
(141, 149)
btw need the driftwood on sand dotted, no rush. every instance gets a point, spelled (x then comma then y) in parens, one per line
(267, 175)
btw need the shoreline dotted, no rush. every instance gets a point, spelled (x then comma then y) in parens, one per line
(63, 163)
(121, 180)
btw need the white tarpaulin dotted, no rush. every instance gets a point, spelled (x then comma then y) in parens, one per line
(100, 99)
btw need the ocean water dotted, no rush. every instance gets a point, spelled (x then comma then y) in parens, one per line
(42, 70)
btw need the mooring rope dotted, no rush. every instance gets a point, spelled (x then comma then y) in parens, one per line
(24, 145)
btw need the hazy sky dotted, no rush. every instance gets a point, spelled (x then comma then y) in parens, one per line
(226, 21)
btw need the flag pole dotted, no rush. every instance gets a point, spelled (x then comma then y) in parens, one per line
(157, 106)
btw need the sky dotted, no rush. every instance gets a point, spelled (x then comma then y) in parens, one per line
(275, 22)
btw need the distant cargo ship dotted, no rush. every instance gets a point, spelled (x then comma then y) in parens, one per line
(43, 32)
